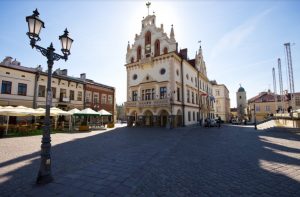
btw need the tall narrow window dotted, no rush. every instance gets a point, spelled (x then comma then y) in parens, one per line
(103, 99)
(193, 97)
(178, 94)
(72, 94)
(79, 96)
(153, 93)
(148, 44)
(134, 95)
(163, 92)
(157, 48)
(96, 98)
(22, 89)
(6, 87)
(148, 94)
(188, 96)
(53, 92)
(139, 53)
(42, 91)
(143, 95)
(147, 38)
(110, 99)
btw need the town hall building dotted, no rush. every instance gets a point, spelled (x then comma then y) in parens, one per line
(164, 87)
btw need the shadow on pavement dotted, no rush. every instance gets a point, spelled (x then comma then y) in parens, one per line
(230, 161)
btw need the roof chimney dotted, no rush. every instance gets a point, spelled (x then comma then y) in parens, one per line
(183, 53)
(83, 76)
(64, 72)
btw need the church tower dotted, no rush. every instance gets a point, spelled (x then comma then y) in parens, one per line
(241, 100)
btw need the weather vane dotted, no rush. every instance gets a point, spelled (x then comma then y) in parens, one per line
(148, 5)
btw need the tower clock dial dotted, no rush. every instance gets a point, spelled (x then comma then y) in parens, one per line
(148, 49)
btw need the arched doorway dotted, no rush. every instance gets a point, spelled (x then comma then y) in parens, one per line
(131, 119)
(164, 118)
(148, 118)
(178, 119)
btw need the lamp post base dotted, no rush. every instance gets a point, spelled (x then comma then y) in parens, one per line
(44, 179)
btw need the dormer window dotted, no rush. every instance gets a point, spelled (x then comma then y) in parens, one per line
(132, 59)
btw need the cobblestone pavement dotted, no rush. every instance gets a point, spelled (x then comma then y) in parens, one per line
(191, 161)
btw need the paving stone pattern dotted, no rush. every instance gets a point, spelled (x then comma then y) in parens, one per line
(190, 161)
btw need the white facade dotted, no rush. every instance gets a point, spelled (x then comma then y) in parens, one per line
(222, 101)
(164, 87)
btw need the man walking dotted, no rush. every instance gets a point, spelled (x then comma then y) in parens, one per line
(219, 121)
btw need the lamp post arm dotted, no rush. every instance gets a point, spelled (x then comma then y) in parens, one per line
(49, 53)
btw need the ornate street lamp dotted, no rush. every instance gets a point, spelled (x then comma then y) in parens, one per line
(35, 24)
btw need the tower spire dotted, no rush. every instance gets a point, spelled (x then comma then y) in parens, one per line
(200, 48)
(128, 46)
(148, 5)
(172, 35)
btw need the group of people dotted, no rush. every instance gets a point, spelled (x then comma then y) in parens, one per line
(208, 122)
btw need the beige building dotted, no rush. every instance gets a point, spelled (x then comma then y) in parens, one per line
(164, 86)
(222, 101)
(67, 92)
(17, 83)
(266, 105)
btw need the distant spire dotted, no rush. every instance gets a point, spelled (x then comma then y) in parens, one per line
(172, 35)
(128, 46)
(200, 48)
(148, 5)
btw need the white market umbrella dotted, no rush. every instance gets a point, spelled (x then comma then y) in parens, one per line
(14, 111)
(103, 112)
(75, 110)
(87, 112)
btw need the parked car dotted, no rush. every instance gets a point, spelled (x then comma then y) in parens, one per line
(234, 121)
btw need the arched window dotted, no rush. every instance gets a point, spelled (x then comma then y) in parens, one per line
(132, 59)
(157, 48)
(147, 38)
(139, 53)
(165, 50)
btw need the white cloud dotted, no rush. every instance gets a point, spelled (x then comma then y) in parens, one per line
(235, 37)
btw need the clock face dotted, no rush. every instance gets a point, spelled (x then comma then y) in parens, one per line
(148, 48)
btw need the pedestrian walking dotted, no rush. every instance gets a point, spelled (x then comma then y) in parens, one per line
(219, 121)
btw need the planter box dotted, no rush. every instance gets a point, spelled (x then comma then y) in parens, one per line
(110, 125)
(84, 128)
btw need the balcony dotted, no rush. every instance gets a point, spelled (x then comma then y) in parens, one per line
(148, 103)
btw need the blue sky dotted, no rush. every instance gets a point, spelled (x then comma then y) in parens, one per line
(241, 40)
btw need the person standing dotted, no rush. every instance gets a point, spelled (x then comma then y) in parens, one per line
(219, 121)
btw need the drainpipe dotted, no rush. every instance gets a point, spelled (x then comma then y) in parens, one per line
(182, 93)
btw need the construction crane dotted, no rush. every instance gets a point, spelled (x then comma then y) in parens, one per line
(275, 89)
(290, 72)
(280, 85)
